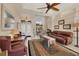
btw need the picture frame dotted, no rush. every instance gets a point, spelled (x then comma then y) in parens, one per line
(56, 27)
(67, 26)
(61, 22)
(7, 20)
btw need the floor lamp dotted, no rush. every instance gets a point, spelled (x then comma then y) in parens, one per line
(77, 25)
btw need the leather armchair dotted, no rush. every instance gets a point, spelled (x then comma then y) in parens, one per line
(14, 48)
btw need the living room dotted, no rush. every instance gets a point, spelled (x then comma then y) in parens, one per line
(24, 25)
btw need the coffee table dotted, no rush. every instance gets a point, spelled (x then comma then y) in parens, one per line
(49, 39)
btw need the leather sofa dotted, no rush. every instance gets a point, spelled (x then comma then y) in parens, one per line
(62, 36)
(14, 48)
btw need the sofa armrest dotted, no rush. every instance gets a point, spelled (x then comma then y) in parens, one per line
(69, 40)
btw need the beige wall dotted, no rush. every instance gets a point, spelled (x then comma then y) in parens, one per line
(11, 8)
(68, 17)
(48, 22)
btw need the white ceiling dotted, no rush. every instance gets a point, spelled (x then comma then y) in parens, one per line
(63, 7)
(32, 8)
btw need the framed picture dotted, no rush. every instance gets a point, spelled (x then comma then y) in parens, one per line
(56, 27)
(67, 26)
(7, 20)
(61, 22)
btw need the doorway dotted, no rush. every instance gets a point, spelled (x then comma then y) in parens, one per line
(26, 28)
(39, 24)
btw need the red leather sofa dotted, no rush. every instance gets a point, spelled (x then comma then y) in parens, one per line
(62, 36)
(14, 48)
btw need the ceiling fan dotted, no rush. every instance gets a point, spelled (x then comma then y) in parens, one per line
(51, 6)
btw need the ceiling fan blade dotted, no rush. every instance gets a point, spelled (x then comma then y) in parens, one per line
(47, 10)
(42, 8)
(54, 4)
(54, 8)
